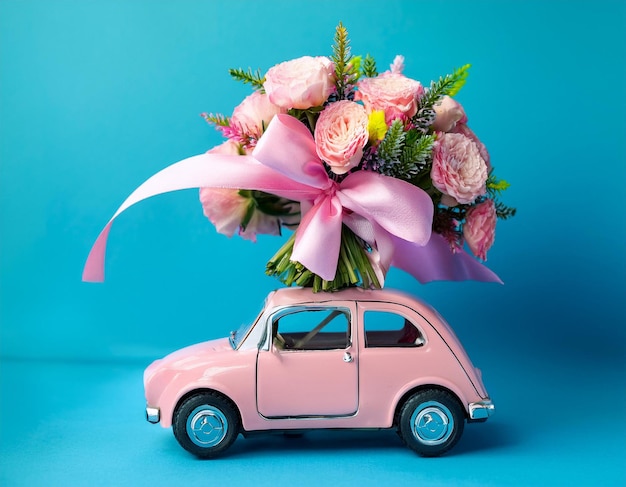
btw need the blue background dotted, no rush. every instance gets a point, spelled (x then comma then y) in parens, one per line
(96, 96)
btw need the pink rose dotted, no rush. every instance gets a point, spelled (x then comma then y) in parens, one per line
(300, 83)
(393, 93)
(458, 168)
(448, 112)
(462, 128)
(341, 134)
(480, 228)
(254, 113)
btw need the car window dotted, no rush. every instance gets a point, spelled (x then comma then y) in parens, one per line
(387, 329)
(312, 329)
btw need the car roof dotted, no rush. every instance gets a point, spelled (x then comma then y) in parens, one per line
(297, 295)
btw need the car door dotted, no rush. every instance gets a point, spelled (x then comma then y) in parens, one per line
(309, 365)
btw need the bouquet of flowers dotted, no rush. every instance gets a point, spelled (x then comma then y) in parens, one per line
(368, 169)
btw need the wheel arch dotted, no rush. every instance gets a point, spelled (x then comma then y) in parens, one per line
(422, 387)
(203, 390)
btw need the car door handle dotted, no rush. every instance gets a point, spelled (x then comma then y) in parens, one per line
(347, 358)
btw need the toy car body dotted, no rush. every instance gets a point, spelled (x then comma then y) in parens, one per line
(351, 359)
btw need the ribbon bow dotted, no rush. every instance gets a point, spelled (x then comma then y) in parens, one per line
(392, 215)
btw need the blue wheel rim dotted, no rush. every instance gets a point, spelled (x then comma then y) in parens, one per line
(432, 423)
(207, 426)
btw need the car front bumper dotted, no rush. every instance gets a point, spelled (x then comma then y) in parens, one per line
(481, 410)
(153, 415)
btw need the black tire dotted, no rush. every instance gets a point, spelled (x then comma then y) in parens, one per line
(431, 422)
(206, 424)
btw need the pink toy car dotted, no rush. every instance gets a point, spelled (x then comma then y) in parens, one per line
(350, 359)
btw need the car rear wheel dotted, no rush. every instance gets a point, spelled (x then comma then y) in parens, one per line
(206, 424)
(431, 422)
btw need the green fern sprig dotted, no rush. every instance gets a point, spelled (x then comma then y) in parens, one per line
(368, 67)
(446, 85)
(390, 149)
(503, 212)
(415, 156)
(413, 160)
(216, 119)
(248, 77)
(459, 77)
(341, 58)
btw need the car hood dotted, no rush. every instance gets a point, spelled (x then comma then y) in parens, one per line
(189, 357)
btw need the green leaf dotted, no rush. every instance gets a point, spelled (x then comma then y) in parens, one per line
(248, 215)
(355, 67)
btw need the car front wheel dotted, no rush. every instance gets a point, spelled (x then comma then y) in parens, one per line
(206, 424)
(431, 422)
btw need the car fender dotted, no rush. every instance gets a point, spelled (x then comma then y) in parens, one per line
(427, 382)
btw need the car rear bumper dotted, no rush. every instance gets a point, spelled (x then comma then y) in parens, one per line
(153, 415)
(481, 410)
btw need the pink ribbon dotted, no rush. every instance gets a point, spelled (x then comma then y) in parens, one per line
(390, 214)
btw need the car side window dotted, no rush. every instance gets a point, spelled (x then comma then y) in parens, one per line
(387, 329)
(312, 329)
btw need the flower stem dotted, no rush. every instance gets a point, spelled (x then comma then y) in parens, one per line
(354, 267)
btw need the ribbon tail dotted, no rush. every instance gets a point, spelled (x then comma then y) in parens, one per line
(318, 238)
(205, 170)
(436, 262)
(94, 268)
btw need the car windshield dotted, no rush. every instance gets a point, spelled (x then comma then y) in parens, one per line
(238, 336)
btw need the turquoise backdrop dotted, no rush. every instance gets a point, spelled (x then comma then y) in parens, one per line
(96, 96)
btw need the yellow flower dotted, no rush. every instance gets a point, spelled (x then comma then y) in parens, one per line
(497, 185)
(376, 126)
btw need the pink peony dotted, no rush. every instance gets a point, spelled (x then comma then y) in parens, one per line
(458, 168)
(480, 228)
(300, 83)
(448, 113)
(260, 223)
(226, 208)
(254, 113)
(341, 134)
(393, 93)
